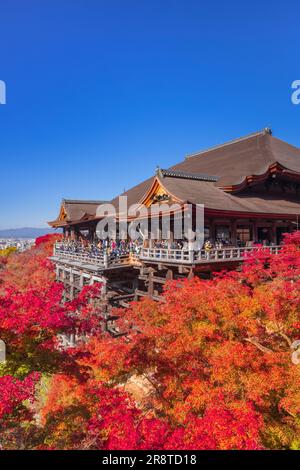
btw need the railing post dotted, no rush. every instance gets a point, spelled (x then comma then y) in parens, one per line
(105, 259)
(191, 256)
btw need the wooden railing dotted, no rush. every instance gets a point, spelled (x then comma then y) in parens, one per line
(102, 260)
(178, 256)
(202, 256)
(80, 257)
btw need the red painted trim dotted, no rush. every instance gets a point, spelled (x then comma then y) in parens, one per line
(237, 215)
(249, 180)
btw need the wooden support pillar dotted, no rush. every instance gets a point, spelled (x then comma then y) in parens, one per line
(233, 230)
(171, 232)
(91, 234)
(150, 284)
(72, 233)
(71, 285)
(273, 232)
(103, 289)
(254, 230)
(160, 227)
(169, 275)
(67, 233)
(134, 284)
(212, 234)
(191, 274)
(64, 282)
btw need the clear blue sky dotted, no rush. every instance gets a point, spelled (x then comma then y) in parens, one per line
(100, 92)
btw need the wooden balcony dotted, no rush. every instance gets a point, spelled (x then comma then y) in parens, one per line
(103, 261)
(91, 261)
(201, 256)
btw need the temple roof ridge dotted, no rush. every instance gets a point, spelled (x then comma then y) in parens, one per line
(263, 132)
(187, 175)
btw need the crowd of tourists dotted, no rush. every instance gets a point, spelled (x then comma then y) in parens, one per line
(184, 245)
(122, 247)
(170, 245)
(112, 248)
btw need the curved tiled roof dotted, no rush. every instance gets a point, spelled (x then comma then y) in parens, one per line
(252, 155)
(230, 164)
(75, 210)
(210, 176)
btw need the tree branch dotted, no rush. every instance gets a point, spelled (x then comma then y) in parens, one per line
(284, 336)
(258, 345)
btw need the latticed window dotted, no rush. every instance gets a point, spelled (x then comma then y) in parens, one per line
(243, 234)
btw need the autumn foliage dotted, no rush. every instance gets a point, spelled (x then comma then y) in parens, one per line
(208, 368)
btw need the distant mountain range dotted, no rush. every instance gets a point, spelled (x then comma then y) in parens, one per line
(26, 232)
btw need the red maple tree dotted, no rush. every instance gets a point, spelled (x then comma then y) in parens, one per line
(208, 368)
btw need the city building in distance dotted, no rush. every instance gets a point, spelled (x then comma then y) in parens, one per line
(21, 244)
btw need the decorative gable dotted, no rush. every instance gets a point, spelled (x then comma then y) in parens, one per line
(158, 194)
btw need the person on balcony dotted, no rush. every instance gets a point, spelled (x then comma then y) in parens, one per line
(219, 244)
(207, 248)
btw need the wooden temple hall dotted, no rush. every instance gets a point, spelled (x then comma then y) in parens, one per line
(250, 189)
